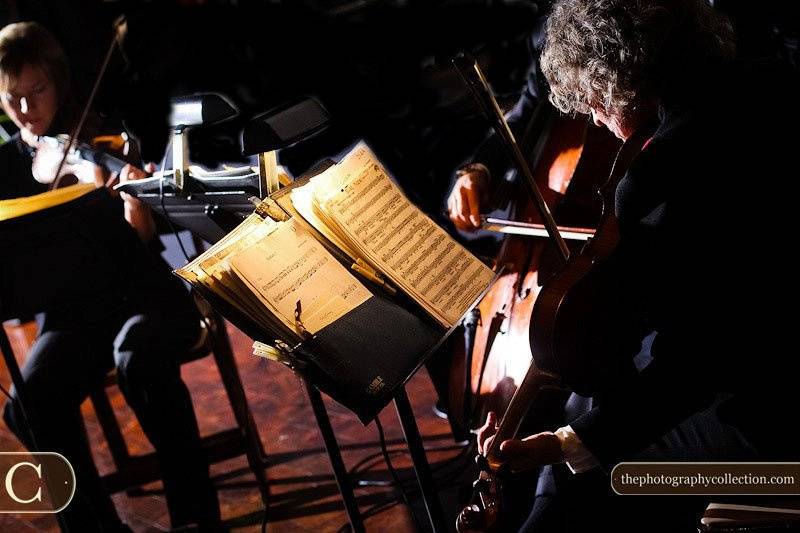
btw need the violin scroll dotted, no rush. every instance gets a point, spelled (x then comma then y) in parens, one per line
(482, 514)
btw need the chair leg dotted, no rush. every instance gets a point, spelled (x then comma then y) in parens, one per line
(111, 429)
(256, 457)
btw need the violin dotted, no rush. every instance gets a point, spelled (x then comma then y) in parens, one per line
(82, 162)
(64, 160)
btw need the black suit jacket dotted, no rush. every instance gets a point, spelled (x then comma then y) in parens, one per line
(142, 280)
(705, 260)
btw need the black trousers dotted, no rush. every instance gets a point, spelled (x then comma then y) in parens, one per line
(70, 359)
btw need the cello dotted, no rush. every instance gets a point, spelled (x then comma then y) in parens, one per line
(566, 303)
(568, 155)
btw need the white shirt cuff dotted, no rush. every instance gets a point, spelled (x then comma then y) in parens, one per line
(577, 457)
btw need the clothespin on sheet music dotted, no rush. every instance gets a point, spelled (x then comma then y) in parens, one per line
(298, 323)
(280, 353)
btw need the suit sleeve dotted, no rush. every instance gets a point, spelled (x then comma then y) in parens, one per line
(661, 279)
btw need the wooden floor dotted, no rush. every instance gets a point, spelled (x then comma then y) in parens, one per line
(304, 494)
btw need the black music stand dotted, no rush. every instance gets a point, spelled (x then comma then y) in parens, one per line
(196, 215)
(191, 213)
(206, 212)
(211, 214)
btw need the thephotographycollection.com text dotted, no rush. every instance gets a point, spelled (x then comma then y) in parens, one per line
(706, 478)
(705, 481)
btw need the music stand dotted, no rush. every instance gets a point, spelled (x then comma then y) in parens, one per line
(208, 213)
(212, 214)
(212, 204)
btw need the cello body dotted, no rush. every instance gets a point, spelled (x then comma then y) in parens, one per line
(581, 323)
(490, 365)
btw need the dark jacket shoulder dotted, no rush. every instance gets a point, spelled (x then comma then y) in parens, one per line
(16, 179)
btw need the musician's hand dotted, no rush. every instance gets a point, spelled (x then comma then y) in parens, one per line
(486, 433)
(47, 160)
(466, 198)
(537, 450)
(137, 213)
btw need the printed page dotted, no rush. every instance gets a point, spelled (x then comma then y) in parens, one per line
(212, 270)
(302, 201)
(213, 259)
(289, 266)
(396, 237)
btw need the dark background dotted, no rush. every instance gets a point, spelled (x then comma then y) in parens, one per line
(382, 69)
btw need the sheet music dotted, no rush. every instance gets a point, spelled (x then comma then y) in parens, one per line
(398, 238)
(289, 265)
(212, 269)
(303, 202)
(253, 229)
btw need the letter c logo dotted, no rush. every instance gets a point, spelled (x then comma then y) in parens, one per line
(10, 486)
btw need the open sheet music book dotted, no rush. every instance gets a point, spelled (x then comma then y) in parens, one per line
(311, 261)
(265, 267)
(360, 209)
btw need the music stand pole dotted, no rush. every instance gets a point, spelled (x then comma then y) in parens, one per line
(422, 468)
(343, 480)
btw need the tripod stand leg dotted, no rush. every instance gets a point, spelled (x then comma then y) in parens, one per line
(335, 456)
(421, 467)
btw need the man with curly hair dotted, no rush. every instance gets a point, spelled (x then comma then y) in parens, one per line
(701, 269)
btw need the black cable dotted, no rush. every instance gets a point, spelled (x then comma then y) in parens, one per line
(163, 205)
(445, 481)
(367, 462)
(464, 456)
(393, 472)
(169, 220)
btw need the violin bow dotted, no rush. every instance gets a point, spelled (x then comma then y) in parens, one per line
(473, 76)
(120, 26)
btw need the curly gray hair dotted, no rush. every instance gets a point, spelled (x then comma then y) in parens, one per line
(616, 54)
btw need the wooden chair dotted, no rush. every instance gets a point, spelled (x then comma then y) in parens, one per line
(242, 439)
(764, 516)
